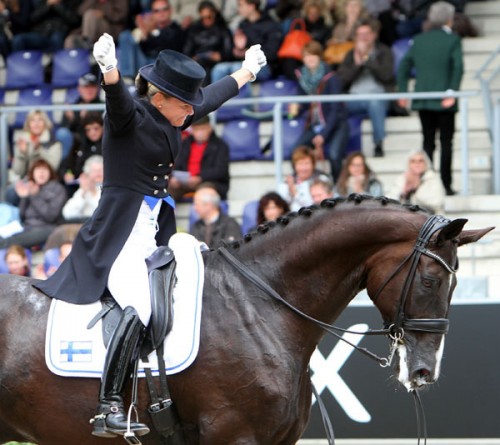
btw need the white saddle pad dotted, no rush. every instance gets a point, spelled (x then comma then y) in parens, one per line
(72, 350)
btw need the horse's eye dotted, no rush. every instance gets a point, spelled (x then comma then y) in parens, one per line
(426, 282)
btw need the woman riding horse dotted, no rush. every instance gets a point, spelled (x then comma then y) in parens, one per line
(135, 214)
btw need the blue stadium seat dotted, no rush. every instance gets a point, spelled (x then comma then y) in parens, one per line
(3, 264)
(399, 49)
(242, 137)
(68, 65)
(51, 259)
(276, 87)
(72, 95)
(292, 130)
(24, 69)
(193, 216)
(249, 216)
(230, 112)
(32, 97)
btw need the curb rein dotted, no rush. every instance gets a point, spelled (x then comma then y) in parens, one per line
(396, 330)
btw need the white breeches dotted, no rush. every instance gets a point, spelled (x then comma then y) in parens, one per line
(128, 278)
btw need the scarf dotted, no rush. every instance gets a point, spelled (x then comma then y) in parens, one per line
(309, 81)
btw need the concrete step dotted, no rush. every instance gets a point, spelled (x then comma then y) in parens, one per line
(483, 8)
(478, 142)
(486, 25)
(480, 44)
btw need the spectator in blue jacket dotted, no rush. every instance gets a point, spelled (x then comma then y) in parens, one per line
(327, 130)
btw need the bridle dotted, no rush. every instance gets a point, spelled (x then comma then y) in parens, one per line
(395, 330)
(401, 323)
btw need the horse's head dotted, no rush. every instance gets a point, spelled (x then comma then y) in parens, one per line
(412, 287)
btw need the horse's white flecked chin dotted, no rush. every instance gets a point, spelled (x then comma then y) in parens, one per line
(404, 374)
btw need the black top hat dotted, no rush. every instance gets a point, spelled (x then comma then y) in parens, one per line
(177, 75)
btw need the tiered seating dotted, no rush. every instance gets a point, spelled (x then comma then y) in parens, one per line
(292, 130)
(249, 216)
(275, 87)
(51, 259)
(399, 49)
(31, 96)
(230, 112)
(242, 137)
(24, 69)
(68, 65)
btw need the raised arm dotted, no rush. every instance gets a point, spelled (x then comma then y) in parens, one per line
(105, 56)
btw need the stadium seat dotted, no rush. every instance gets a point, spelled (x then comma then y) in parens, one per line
(32, 97)
(230, 112)
(51, 259)
(249, 216)
(242, 137)
(72, 95)
(399, 49)
(68, 65)
(292, 130)
(276, 87)
(3, 264)
(193, 216)
(24, 69)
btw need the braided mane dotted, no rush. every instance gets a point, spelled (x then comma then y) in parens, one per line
(326, 204)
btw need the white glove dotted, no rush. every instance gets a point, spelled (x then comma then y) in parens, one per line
(255, 59)
(105, 53)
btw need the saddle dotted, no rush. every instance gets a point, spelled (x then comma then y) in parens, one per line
(161, 270)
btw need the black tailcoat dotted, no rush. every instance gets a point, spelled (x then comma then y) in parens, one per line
(139, 148)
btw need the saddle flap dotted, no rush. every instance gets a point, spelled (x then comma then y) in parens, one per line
(162, 282)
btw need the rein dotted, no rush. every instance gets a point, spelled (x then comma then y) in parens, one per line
(396, 329)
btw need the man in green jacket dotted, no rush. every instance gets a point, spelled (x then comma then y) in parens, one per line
(437, 58)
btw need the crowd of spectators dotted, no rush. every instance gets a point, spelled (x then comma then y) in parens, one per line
(55, 173)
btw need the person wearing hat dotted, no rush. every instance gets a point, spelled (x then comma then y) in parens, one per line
(71, 131)
(142, 136)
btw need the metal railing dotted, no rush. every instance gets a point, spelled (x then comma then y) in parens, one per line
(491, 105)
(278, 102)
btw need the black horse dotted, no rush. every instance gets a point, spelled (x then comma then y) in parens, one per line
(250, 382)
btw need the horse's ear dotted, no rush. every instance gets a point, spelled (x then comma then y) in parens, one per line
(451, 231)
(471, 236)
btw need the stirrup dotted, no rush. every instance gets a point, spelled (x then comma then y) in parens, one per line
(131, 438)
(99, 427)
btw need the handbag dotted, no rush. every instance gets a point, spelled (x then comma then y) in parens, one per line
(335, 53)
(294, 41)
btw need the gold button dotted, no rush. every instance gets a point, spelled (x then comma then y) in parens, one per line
(155, 192)
(155, 178)
(160, 165)
(166, 176)
(164, 190)
(171, 164)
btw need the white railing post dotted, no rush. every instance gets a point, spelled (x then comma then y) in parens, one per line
(464, 146)
(277, 139)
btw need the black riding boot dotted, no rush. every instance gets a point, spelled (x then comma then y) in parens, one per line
(111, 418)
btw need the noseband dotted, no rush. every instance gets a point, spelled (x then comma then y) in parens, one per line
(401, 323)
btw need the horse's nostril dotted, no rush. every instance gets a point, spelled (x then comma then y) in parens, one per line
(422, 377)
